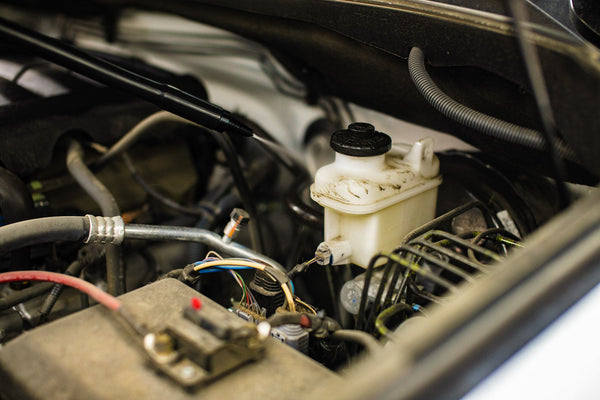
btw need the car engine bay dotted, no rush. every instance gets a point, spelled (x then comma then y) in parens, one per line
(241, 199)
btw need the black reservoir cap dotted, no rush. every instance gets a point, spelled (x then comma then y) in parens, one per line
(361, 140)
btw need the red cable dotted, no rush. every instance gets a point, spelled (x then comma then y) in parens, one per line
(95, 293)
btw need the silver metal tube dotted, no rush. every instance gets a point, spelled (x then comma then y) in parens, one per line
(186, 234)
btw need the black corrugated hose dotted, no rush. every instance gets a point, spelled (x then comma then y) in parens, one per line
(473, 119)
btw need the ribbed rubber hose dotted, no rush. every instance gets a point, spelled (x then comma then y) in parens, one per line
(115, 274)
(473, 119)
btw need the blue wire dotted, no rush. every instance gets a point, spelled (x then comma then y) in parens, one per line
(209, 270)
(219, 268)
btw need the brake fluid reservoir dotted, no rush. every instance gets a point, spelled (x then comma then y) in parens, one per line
(373, 193)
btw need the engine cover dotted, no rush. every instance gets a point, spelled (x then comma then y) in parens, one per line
(90, 354)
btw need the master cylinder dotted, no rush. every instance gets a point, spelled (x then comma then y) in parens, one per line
(373, 193)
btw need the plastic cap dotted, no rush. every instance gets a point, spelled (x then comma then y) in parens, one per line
(361, 140)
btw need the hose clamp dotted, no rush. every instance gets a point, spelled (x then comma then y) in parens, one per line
(106, 230)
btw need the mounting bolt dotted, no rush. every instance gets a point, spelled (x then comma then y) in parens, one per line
(163, 343)
(264, 330)
(239, 218)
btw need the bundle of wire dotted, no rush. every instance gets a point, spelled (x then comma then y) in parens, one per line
(216, 264)
(247, 295)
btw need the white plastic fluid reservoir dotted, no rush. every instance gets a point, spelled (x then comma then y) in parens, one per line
(373, 193)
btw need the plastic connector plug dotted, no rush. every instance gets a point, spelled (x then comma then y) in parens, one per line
(333, 252)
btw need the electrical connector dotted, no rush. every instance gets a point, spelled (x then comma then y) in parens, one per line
(333, 252)
(239, 218)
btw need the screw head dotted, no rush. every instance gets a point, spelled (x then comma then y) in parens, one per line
(163, 343)
(188, 372)
(264, 330)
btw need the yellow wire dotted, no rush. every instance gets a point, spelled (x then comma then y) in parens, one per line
(288, 296)
(250, 264)
(225, 262)
(308, 306)
(217, 255)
